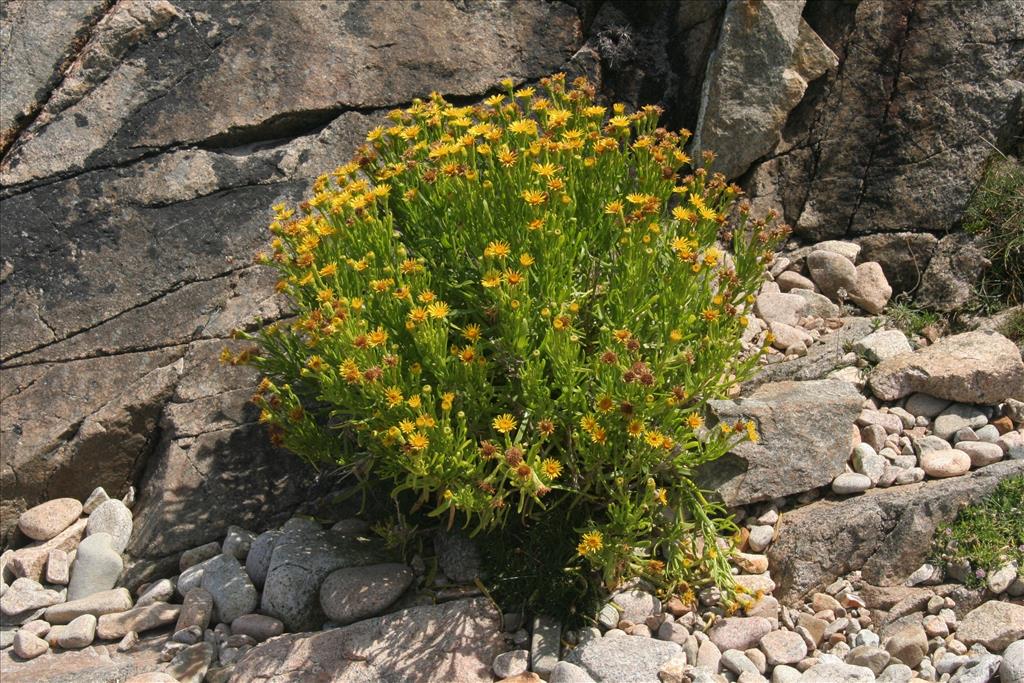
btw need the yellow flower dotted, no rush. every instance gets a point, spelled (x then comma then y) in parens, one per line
(438, 310)
(425, 422)
(613, 207)
(393, 395)
(619, 122)
(635, 428)
(558, 117)
(407, 426)
(418, 315)
(752, 431)
(513, 277)
(414, 402)
(546, 170)
(694, 420)
(526, 260)
(535, 197)
(491, 279)
(593, 111)
(418, 441)
(605, 403)
(328, 270)
(377, 337)
(472, 332)
(426, 296)
(551, 468)
(588, 423)
(661, 496)
(654, 439)
(507, 157)
(498, 249)
(591, 542)
(504, 423)
(523, 126)
(524, 93)
(638, 198)
(446, 400)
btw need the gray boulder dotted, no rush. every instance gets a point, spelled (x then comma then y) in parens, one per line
(112, 517)
(96, 568)
(355, 593)
(805, 439)
(232, 591)
(885, 533)
(974, 367)
(624, 659)
(257, 561)
(301, 560)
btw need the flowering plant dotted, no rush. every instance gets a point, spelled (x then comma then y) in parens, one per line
(519, 305)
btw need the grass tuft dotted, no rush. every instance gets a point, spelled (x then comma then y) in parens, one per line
(987, 535)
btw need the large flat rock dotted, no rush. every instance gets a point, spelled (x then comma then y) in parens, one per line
(454, 642)
(805, 432)
(886, 533)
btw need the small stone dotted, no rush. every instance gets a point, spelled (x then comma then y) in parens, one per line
(97, 604)
(545, 644)
(565, 672)
(97, 564)
(25, 595)
(935, 626)
(994, 624)
(761, 536)
(58, 567)
(1012, 444)
(913, 475)
(192, 577)
(112, 517)
(45, 521)
(158, 591)
(896, 673)
(1012, 668)
(872, 290)
(836, 672)
(609, 616)
(1001, 425)
(673, 632)
(38, 627)
(956, 417)
(849, 483)
(883, 344)
(794, 280)
(739, 633)
(978, 669)
(188, 636)
(190, 665)
(353, 593)
(196, 610)
(926, 574)
(130, 640)
(240, 640)
(925, 406)
(909, 644)
(783, 647)
(737, 662)
(257, 562)
(755, 583)
(832, 273)
(785, 674)
(191, 558)
(750, 563)
(942, 464)
(79, 633)
(636, 605)
(257, 626)
(869, 656)
(891, 423)
(95, 499)
(873, 436)
(981, 453)
(457, 556)
(232, 590)
(511, 663)
(28, 645)
(238, 542)
(138, 619)
(989, 433)
(999, 581)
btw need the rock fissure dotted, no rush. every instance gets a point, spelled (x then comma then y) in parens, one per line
(886, 113)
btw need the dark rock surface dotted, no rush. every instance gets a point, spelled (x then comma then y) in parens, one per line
(887, 533)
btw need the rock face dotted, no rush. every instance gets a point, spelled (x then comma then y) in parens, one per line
(766, 56)
(885, 532)
(974, 367)
(454, 641)
(804, 441)
(109, 374)
(858, 155)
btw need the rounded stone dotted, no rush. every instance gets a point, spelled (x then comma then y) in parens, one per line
(851, 482)
(512, 663)
(832, 273)
(48, 519)
(981, 453)
(28, 645)
(257, 626)
(112, 517)
(79, 633)
(947, 463)
(355, 593)
(783, 647)
(257, 560)
(97, 566)
(232, 591)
